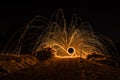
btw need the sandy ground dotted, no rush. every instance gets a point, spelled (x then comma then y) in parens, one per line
(65, 69)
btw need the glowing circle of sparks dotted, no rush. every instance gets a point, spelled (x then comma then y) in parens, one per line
(71, 51)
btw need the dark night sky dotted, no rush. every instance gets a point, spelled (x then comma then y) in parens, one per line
(104, 18)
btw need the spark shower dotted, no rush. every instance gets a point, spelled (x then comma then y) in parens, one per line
(68, 39)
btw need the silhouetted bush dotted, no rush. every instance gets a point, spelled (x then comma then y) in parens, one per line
(45, 53)
(108, 60)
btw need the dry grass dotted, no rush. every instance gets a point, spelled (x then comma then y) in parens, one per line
(10, 63)
(66, 69)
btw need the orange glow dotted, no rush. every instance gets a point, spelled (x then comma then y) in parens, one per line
(67, 56)
(71, 51)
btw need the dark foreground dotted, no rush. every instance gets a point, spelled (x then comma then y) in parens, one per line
(65, 69)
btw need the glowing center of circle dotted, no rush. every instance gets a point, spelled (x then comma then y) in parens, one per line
(71, 51)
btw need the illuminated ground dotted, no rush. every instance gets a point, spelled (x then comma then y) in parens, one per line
(65, 69)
